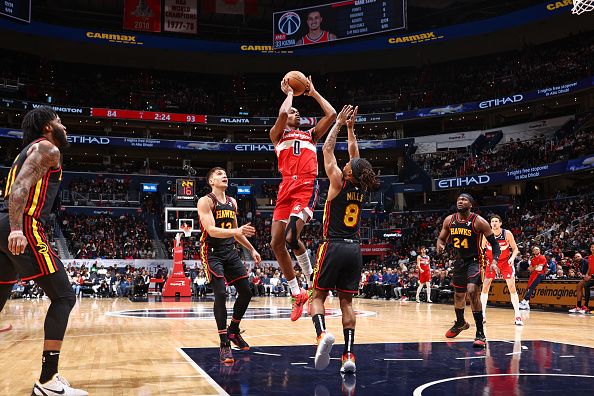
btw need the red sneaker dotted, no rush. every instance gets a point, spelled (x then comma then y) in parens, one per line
(455, 330)
(297, 302)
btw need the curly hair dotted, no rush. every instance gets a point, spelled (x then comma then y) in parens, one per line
(364, 174)
(34, 122)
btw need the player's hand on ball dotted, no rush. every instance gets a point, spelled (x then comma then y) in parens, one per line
(285, 87)
(256, 256)
(311, 91)
(351, 120)
(247, 230)
(17, 242)
(344, 114)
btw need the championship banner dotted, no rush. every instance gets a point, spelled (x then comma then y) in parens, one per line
(180, 16)
(549, 294)
(142, 15)
(376, 250)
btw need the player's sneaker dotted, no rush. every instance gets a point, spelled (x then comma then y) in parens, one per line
(576, 310)
(348, 364)
(585, 310)
(325, 343)
(225, 354)
(518, 321)
(480, 341)
(238, 340)
(297, 302)
(525, 305)
(57, 386)
(309, 300)
(455, 330)
(349, 384)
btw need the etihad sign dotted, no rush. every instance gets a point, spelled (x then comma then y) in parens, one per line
(501, 101)
(463, 181)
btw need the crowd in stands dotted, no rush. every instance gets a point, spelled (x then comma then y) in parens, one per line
(105, 236)
(399, 89)
(99, 185)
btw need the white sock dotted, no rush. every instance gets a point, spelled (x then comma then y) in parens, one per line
(515, 300)
(484, 299)
(294, 287)
(305, 264)
(428, 291)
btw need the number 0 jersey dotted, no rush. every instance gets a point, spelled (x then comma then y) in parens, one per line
(465, 238)
(224, 216)
(343, 213)
(296, 153)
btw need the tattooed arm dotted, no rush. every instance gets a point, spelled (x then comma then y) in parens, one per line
(40, 158)
(352, 139)
(332, 170)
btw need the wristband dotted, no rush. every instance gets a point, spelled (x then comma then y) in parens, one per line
(16, 232)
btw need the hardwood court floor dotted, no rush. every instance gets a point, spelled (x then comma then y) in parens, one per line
(113, 355)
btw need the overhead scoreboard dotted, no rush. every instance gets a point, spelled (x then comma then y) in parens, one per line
(337, 21)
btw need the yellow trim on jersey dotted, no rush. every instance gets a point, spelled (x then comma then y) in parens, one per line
(9, 181)
(35, 197)
(43, 248)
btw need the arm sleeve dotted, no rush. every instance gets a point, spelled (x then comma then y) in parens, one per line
(495, 246)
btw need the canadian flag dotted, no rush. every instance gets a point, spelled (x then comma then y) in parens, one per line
(247, 7)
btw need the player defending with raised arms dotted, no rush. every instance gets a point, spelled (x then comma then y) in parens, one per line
(506, 267)
(298, 191)
(32, 185)
(339, 261)
(466, 230)
(221, 262)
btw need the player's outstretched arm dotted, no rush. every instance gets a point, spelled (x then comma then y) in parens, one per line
(208, 223)
(332, 170)
(352, 138)
(444, 234)
(241, 238)
(40, 158)
(283, 113)
(329, 112)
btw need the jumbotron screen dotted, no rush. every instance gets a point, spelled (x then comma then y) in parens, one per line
(336, 21)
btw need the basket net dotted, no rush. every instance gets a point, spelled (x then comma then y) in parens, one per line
(581, 6)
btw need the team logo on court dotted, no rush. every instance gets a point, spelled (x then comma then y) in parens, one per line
(289, 23)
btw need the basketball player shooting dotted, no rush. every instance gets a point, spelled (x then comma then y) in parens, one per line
(32, 186)
(339, 262)
(298, 191)
(466, 230)
(221, 262)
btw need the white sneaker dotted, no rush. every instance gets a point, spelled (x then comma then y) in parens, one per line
(518, 321)
(576, 310)
(57, 386)
(348, 364)
(325, 343)
(527, 306)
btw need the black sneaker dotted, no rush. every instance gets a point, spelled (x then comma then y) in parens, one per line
(455, 330)
(480, 341)
(237, 340)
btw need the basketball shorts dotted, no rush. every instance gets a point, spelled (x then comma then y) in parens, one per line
(222, 262)
(338, 266)
(507, 271)
(425, 276)
(38, 260)
(466, 271)
(296, 196)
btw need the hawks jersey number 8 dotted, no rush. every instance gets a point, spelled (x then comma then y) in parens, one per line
(351, 215)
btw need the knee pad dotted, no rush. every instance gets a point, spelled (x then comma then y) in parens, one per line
(291, 234)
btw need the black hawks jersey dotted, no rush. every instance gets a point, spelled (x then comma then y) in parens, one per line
(224, 215)
(343, 214)
(42, 194)
(464, 237)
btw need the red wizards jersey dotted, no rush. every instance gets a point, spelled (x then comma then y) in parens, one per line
(322, 38)
(425, 263)
(505, 249)
(296, 153)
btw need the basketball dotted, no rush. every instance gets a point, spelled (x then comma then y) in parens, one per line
(298, 82)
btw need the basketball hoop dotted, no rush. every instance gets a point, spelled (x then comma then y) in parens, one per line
(581, 6)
